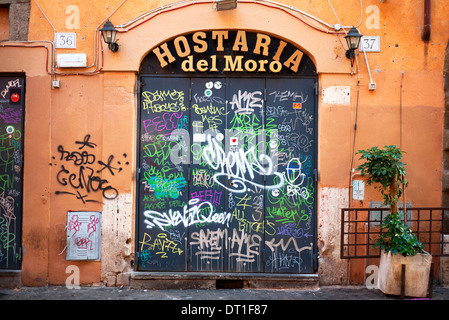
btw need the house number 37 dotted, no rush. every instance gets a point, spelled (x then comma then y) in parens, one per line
(370, 44)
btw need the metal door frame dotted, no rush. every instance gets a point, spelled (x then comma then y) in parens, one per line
(227, 77)
(19, 234)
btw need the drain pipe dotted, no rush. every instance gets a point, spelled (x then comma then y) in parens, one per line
(427, 21)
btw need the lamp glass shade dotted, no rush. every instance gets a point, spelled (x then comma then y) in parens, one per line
(108, 32)
(353, 38)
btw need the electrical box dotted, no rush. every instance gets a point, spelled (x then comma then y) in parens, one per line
(72, 60)
(83, 235)
(358, 190)
(55, 83)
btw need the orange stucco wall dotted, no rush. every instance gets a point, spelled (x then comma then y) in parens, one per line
(4, 23)
(406, 109)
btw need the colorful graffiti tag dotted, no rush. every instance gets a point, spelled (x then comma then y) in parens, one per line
(12, 103)
(227, 180)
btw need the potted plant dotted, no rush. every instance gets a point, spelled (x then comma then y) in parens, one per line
(399, 246)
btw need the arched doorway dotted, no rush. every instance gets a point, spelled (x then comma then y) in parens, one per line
(227, 155)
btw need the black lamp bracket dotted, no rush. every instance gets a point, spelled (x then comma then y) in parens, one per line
(113, 46)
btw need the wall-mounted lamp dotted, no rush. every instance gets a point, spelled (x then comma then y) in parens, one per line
(225, 4)
(353, 40)
(109, 33)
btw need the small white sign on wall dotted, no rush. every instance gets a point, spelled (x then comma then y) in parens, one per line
(337, 95)
(65, 41)
(370, 44)
(358, 190)
(83, 235)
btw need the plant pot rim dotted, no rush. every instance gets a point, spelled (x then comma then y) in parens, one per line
(399, 254)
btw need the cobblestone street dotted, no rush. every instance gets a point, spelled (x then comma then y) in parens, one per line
(106, 293)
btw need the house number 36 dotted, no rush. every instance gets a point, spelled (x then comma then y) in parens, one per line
(65, 41)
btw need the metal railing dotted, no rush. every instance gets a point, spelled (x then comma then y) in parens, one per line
(360, 228)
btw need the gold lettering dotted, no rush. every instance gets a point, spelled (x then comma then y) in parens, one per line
(294, 60)
(240, 41)
(275, 66)
(202, 65)
(214, 64)
(262, 64)
(219, 35)
(263, 41)
(189, 47)
(165, 54)
(250, 65)
(182, 53)
(197, 38)
(187, 64)
(235, 65)
(281, 47)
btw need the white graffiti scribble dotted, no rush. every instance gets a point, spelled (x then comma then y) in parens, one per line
(191, 214)
(11, 84)
(245, 102)
(235, 165)
(295, 179)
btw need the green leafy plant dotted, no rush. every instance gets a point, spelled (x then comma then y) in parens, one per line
(398, 237)
(385, 169)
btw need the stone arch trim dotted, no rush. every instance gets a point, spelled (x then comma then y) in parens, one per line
(272, 55)
(136, 43)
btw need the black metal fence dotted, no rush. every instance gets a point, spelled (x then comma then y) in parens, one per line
(360, 228)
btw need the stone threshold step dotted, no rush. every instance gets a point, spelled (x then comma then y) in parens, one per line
(10, 279)
(219, 280)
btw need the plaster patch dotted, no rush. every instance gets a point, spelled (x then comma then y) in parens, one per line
(116, 230)
(332, 269)
(337, 95)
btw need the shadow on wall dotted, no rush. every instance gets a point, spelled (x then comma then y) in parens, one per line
(445, 180)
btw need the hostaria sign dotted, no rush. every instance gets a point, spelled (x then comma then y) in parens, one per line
(228, 51)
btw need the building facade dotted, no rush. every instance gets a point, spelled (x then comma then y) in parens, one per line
(211, 143)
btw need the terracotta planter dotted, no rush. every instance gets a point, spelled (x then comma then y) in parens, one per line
(417, 271)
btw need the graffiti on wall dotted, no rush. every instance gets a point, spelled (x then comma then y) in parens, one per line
(228, 186)
(12, 102)
(81, 175)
